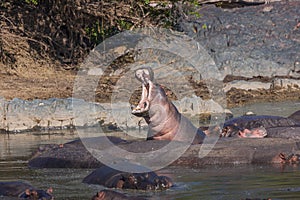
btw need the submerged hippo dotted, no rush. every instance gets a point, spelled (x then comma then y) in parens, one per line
(112, 195)
(263, 125)
(113, 178)
(289, 159)
(24, 191)
(163, 118)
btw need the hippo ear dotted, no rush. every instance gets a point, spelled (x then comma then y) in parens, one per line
(27, 192)
(50, 190)
(101, 194)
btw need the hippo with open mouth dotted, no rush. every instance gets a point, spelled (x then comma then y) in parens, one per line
(165, 122)
(113, 178)
(162, 117)
(24, 191)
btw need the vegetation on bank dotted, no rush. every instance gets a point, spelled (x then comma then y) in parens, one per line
(64, 31)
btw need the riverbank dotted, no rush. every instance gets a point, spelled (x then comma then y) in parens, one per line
(255, 47)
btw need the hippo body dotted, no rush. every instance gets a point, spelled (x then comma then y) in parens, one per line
(265, 123)
(292, 132)
(113, 178)
(71, 154)
(23, 191)
(112, 195)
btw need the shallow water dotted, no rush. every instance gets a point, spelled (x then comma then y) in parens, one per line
(212, 182)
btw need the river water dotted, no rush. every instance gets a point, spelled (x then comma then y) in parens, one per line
(211, 182)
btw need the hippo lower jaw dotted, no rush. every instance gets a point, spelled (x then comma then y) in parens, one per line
(260, 132)
(142, 109)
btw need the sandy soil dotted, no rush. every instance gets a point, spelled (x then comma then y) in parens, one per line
(35, 85)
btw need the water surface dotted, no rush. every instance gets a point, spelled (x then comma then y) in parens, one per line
(211, 182)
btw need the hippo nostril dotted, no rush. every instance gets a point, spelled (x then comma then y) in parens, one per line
(146, 105)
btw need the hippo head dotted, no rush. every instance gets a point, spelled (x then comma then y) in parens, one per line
(112, 178)
(234, 130)
(145, 76)
(37, 194)
(146, 181)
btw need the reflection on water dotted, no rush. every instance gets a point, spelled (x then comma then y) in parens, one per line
(237, 182)
(271, 108)
(212, 182)
(21, 145)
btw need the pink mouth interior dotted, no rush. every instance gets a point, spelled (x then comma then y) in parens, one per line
(143, 105)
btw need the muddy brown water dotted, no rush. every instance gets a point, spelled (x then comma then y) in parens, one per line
(211, 182)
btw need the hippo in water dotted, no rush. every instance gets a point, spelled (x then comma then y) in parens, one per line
(113, 178)
(24, 191)
(262, 126)
(112, 195)
(161, 115)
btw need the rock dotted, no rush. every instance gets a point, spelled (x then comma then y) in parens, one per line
(249, 41)
(23, 115)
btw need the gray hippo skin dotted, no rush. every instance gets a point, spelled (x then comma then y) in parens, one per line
(163, 118)
(295, 116)
(24, 191)
(71, 154)
(292, 131)
(112, 195)
(262, 126)
(113, 178)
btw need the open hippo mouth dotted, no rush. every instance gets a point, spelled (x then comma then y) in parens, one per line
(145, 76)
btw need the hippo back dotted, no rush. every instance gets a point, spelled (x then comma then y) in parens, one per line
(105, 176)
(296, 117)
(13, 188)
(265, 121)
(113, 178)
